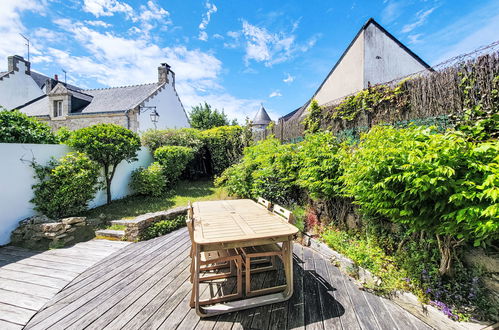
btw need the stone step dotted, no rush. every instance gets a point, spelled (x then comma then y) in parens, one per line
(121, 222)
(109, 233)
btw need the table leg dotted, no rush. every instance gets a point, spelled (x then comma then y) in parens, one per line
(288, 267)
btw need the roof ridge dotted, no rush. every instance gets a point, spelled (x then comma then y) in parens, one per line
(105, 88)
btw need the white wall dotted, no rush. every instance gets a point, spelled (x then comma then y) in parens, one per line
(18, 88)
(17, 177)
(393, 61)
(169, 107)
(348, 75)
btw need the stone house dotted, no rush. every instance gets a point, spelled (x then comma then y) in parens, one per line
(137, 107)
(374, 56)
(261, 120)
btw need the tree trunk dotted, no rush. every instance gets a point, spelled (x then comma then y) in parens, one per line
(445, 245)
(108, 184)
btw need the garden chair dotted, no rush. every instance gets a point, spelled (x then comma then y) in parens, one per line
(261, 253)
(214, 261)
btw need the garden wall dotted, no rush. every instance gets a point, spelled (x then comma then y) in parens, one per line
(17, 177)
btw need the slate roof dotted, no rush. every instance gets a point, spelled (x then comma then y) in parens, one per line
(261, 117)
(41, 79)
(103, 100)
(4, 73)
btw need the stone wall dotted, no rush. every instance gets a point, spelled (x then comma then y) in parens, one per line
(41, 232)
(135, 228)
(74, 122)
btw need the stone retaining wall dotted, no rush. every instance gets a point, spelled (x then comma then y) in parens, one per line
(41, 232)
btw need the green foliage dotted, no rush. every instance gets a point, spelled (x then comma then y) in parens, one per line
(438, 183)
(225, 146)
(16, 127)
(184, 137)
(478, 121)
(312, 122)
(66, 186)
(163, 227)
(204, 117)
(268, 169)
(108, 145)
(173, 159)
(63, 134)
(149, 181)
(319, 172)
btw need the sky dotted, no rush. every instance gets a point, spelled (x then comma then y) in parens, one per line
(233, 54)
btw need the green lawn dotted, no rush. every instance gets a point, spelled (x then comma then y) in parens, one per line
(133, 206)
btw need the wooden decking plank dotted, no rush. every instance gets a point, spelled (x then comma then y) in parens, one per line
(73, 307)
(345, 306)
(403, 319)
(122, 257)
(5, 325)
(137, 296)
(15, 314)
(365, 316)
(313, 317)
(22, 300)
(330, 308)
(383, 316)
(296, 307)
(56, 273)
(43, 264)
(261, 315)
(179, 313)
(27, 288)
(20, 253)
(41, 280)
(279, 313)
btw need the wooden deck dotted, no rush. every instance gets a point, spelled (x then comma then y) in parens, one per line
(29, 279)
(146, 286)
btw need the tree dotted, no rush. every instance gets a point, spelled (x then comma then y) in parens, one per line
(16, 127)
(108, 145)
(203, 117)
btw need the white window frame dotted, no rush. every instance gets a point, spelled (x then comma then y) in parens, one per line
(58, 108)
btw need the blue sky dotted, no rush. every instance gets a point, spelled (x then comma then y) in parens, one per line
(232, 54)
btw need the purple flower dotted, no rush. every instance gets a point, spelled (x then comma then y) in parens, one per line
(428, 290)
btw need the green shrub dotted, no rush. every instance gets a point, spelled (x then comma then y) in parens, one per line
(173, 159)
(16, 127)
(438, 183)
(63, 134)
(319, 171)
(203, 117)
(184, 137)
(108, 145)
(66, 186)
(149, 181)
(225, 146)
(163, 227)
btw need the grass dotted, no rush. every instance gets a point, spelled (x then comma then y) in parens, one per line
(117, 227)
(185, 191)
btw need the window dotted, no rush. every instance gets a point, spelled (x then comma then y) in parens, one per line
(57, 108)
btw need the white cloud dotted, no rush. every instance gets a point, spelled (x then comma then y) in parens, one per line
(211, 9)
(275, 94)
(107, 7)
(421, 17)
(271, 48)
(414, 38)
(392, 11)
(11, 25)
(289, 79)
(98, 23)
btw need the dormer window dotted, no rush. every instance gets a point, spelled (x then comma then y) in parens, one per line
(57, 108)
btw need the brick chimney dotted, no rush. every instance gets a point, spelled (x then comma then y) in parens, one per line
(163, 71)
(13, 63)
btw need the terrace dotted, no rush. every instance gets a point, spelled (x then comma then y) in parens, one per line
(146, 286)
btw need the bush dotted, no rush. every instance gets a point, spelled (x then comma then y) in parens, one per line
(225, 146)
(163, 227)
(108, 145)
(184, 137)
(173, 159)
(319, 171)
(16, 127)
(438, 183)
(66, 186)
(149, 181)
(203, 117)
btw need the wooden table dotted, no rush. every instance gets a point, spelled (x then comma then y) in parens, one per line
(239, 223)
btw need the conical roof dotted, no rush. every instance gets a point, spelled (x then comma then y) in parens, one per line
(261, 117)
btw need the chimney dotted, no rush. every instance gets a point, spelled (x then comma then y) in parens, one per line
(56, 78)
(163, 71)
(13, 63)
